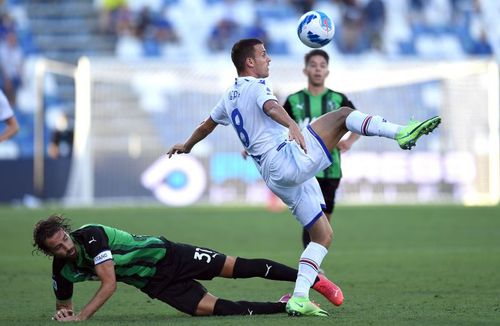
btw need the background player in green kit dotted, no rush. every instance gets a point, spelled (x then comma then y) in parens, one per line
(308, 104)
(162, 269)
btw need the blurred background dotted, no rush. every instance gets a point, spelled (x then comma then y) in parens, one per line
(102, 88)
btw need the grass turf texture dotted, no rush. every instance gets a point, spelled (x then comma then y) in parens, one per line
(421, 265)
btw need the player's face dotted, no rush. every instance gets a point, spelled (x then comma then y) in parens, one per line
(261, 61)
(61, 245)
(316, 71)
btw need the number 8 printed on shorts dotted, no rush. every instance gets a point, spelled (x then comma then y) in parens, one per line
(238, 125)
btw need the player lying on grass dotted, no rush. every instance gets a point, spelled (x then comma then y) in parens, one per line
(162, 269)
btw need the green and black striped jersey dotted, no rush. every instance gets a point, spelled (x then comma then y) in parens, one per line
(304, 107)
(135, 258)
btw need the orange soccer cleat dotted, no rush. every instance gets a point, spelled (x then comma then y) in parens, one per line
(329, 290)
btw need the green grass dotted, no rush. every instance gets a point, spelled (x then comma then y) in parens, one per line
(421, 265)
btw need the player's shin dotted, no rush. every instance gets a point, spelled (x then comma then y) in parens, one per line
(371, 125)
(225, 308)
(265, 268)
(309, 264)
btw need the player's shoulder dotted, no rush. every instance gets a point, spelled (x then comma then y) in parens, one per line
(295, 94)
(88, 231)
(336, 93)
(89, 227)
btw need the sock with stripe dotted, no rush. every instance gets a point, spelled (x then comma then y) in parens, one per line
(371, 125)
(309, 263)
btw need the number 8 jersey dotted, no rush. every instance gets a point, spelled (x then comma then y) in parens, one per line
(243, 106)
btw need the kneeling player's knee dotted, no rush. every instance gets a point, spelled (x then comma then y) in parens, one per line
(206, 305)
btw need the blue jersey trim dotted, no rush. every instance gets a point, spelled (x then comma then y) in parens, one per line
(313, 220)
(280, 146)
(327, 153)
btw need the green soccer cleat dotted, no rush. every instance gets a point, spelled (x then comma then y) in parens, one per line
(407, 136)
(298, 306)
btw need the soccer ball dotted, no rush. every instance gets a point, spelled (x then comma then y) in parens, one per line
(315, 29)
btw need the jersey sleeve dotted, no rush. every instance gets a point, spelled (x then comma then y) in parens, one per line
(63, 289)
(5, 109)
(264, 93)
(219, 114)
(96, 243)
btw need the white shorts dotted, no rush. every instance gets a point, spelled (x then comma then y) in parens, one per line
(290, 174)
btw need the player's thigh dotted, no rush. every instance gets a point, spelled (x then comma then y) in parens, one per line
(329, 188)
(193, 262)
(184, 296)
(330, 127)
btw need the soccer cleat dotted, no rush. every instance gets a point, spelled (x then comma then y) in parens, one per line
(299, 306)
(407, 136)
(285, 298)
(329, 290)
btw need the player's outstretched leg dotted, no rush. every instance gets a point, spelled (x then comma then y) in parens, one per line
(406, 136)
(227, 308)
(333, 125)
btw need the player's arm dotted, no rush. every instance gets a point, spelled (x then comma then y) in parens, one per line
(63, 290)
(106, 273)
(11, 129)
(288, 108)
(345, 144)
(276, 112)
(202, 131)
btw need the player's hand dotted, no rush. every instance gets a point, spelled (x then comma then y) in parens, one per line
(63, 314)
(295, 134)
(177, 149)
(244, 154)
(344, 146)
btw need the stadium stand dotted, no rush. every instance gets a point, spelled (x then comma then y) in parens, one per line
(137, 29)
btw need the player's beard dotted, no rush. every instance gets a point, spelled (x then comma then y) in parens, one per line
(71, 254)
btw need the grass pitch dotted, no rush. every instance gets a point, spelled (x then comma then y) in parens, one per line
(417, 265)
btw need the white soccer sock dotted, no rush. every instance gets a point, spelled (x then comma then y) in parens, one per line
(371, 125)
(309, 263)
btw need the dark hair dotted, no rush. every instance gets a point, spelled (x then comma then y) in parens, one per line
(312, 53)
(45, 229)
(242, 50)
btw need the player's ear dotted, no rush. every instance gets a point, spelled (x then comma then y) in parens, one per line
(250, 62)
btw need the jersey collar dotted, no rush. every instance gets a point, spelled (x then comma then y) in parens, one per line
(240, 80)
(320, 94)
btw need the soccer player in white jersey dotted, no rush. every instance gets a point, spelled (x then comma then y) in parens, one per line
(289, 158)
(7, 116)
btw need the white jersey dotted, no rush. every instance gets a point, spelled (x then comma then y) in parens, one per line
(5, 109)
(243, 106)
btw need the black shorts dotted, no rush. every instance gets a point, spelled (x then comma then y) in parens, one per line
(174, 282)
(329, 188)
